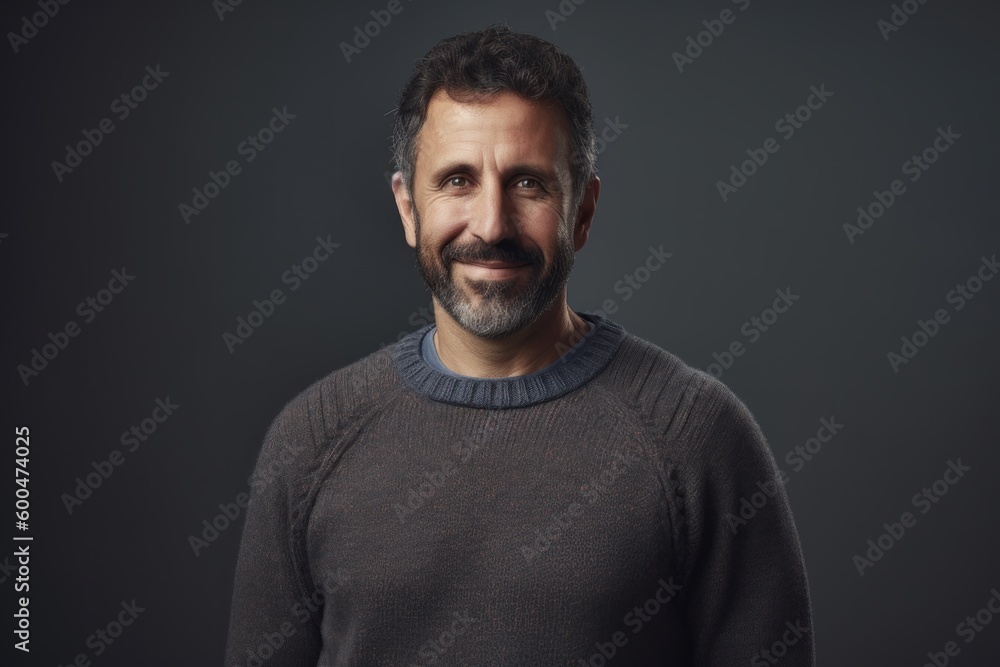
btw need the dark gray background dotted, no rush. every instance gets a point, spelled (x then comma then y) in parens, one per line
(325, 175)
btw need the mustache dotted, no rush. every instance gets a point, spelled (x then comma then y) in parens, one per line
(505, 251)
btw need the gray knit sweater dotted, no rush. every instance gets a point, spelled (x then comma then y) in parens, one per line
(591, 513)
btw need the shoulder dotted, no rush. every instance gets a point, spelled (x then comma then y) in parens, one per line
(687, 408)
(318, 413)
(657, 383)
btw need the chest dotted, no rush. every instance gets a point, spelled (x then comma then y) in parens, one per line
(566, 515)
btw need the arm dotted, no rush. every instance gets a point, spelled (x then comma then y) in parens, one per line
(268, 613)
(745, 587)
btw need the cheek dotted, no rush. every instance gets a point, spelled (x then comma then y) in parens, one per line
(544, 223)
(545, 215)
(441, 217)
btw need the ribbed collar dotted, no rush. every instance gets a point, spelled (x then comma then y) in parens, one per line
(514, 392)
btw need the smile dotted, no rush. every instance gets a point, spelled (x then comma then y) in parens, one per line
(492, 270)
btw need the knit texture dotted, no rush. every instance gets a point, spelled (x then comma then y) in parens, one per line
(579, 515)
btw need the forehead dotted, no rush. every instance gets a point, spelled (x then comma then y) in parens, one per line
(505, 126)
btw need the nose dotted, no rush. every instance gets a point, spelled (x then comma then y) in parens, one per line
(493, 217)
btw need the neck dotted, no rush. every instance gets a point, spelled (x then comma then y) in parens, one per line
(532, 348)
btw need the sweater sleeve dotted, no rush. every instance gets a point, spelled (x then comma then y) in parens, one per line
(744, 595)
(270, 620)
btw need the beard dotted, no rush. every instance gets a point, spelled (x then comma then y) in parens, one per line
(495, 308)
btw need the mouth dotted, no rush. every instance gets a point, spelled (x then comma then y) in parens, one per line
(492, 270)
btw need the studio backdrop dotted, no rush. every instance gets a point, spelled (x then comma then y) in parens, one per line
(797, 197)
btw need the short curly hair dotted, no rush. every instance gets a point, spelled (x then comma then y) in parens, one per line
(488, 62)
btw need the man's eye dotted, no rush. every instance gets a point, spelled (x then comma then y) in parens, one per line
(461, 181)
(532, 181)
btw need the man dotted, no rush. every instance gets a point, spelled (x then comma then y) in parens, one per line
(518, 483)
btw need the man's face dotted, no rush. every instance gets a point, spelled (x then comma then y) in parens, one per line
(491, 222)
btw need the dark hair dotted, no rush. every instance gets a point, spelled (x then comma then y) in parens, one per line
(489, 62)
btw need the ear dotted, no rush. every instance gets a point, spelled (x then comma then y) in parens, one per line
(585, 214)
(404, 203)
